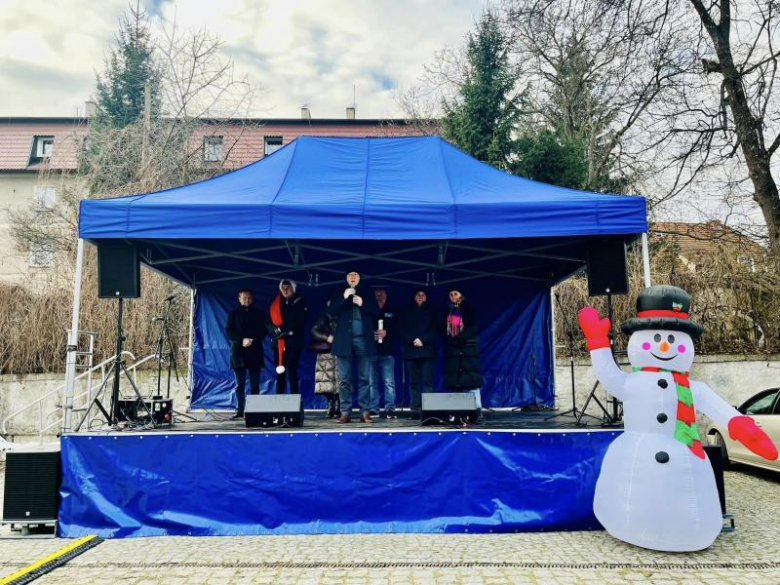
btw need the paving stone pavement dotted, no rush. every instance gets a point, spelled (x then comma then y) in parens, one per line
(751, 554)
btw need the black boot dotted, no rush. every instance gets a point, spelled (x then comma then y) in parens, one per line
(331, 405)
(337, 402)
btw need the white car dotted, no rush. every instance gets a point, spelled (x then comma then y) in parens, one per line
(764, 408)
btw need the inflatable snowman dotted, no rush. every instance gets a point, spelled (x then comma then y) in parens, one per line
(656, 488)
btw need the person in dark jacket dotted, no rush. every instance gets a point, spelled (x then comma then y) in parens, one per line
(355, 313)
(325, 376)
(417, 330)
(461, 347)
(286, 321)
(383, 366)
(245, 329)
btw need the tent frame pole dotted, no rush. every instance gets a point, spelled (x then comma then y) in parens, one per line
(646, 260)
(73, 343)
(191, 351)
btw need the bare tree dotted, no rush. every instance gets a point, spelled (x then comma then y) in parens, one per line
(725, 118)
(200, 99)
(595, 70)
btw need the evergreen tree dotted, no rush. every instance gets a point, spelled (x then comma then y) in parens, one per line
(483, 116)
(129, 67)
(549, 156)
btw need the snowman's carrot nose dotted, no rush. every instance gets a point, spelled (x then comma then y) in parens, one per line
(664, 346)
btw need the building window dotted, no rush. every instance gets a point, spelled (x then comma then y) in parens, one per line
(272, 144)
(212, 149)
(44, 198)
(44, 145)
(41, 255)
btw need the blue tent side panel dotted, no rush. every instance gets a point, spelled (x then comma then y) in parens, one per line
(515, 348)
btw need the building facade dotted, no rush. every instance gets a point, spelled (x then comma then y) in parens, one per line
(38, 165)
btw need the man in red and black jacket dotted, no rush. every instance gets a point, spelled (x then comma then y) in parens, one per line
(286, 323)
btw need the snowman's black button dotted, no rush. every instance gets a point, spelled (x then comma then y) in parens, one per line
(662, 457)
(663, 383)
(662, 418)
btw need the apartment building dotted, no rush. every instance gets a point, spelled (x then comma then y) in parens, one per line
(38, 161)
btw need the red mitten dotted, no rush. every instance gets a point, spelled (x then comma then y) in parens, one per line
(746, 431)
(595, 328)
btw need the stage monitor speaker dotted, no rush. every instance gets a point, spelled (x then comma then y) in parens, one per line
(273, 410)
(449, 408)
(32, 486)
(607, 268)
(119, 271)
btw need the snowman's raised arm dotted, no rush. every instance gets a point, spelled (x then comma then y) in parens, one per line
(596, 330)
(710, 404)
(608, 372)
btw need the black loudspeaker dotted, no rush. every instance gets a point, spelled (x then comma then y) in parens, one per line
(273, 410)
(607, 268)
(449, 408)
(119, 271)
(715, 455)
(32, 486)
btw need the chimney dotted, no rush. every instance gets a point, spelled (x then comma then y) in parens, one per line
(305, 113)
(351, 113)
(90, 107)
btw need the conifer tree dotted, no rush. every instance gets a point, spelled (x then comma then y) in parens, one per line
(129, 66)
(482, 118)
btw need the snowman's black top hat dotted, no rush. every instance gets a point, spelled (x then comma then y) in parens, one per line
(663, 307)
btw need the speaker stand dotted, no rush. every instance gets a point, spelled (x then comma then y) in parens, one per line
(118, 366)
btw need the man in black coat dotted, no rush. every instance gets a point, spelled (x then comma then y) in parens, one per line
(245, 329)
(355, 313)
(417, 330)
(286, 322)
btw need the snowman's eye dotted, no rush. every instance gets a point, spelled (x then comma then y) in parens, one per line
(657, 337)
(670, 339)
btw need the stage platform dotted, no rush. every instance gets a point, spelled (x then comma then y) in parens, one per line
(519, 471)
(506, 419)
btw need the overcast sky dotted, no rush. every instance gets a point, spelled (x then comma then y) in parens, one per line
(301, 52)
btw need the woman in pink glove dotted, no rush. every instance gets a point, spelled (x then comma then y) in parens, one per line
(656, 488)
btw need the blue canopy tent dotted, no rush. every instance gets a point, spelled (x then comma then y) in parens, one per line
(402, 211)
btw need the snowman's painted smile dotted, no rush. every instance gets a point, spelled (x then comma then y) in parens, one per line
(661, 358)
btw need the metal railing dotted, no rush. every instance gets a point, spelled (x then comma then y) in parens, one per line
(78, 398)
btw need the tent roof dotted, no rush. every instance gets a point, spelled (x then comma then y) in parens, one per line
(363, 188)
(408, 210)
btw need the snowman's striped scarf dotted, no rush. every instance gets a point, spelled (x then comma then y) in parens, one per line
(685, 429)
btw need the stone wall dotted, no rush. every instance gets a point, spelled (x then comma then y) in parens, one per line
(735, 378)
(18, 391)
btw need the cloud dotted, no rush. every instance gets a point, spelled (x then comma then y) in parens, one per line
(301, 52)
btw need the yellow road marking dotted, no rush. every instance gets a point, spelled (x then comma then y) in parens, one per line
(38, 564)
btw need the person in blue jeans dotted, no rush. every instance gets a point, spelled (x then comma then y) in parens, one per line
(383, 366)
(355, 314)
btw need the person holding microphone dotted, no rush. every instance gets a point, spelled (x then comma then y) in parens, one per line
(355, 314)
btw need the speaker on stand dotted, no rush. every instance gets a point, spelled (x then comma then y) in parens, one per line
(119, 277)
(607, 275)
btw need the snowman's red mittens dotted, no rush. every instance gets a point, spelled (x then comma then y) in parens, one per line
(595, 328)
(746, 431)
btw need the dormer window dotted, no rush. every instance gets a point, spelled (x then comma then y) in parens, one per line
(44, 145)
(271, 144)
(212, 149)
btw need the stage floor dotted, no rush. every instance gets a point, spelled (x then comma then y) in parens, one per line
(315, 420)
